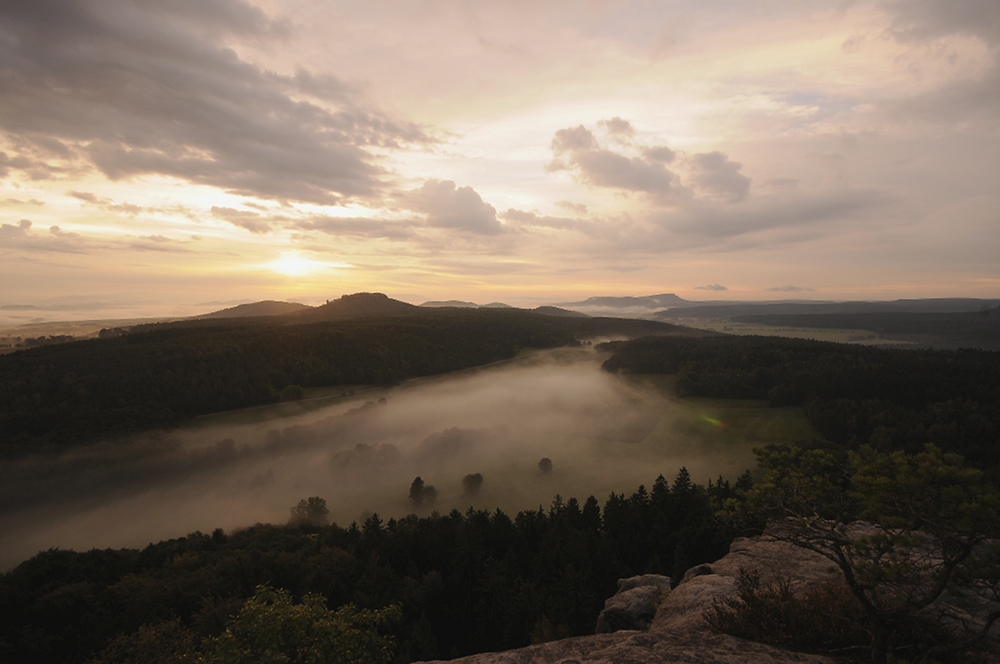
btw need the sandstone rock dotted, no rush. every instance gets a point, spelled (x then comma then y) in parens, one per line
(658, 580)
(634, 605)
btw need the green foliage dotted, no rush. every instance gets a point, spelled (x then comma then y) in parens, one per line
(271, 629)
(927, 515)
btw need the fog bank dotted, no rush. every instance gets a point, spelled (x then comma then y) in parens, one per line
(602, 432)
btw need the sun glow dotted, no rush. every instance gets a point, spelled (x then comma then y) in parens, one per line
(294, 265)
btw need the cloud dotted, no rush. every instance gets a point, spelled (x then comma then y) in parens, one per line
(715, 173)
(619, 128)
(964, 97)
(524, 219)
(569, 206)
(358, 227)
(246, 220)
(659, 153)
(448, 206)
(12, 232)
(575, 149)
(23, 238)
(789, 289)
(19, 202)
(151, 88)
(712, 287)
(821, 213)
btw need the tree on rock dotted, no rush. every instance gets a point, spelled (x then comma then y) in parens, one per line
(310, 512)
(902, 529)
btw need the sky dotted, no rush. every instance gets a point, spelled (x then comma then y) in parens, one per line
(171, 157)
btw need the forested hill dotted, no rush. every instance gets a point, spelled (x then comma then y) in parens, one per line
(158, 375)
(889, 398)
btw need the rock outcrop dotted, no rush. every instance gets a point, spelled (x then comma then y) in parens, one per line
(634, 605)
(678, 632)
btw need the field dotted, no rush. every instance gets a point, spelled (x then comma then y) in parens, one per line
(727, 326)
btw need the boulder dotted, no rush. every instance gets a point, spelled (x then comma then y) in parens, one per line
(634, 605)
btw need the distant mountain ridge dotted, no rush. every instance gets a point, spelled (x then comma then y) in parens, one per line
(264, 308)
(922, 306)
(628, 301)
(462, 304)
(357, 305)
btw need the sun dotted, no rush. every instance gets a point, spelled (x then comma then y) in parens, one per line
(294, 265)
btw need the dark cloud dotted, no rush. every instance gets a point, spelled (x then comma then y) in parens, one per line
(712, 287)
(448, 206)
(716, 173)
(576, 150)
(138, 88)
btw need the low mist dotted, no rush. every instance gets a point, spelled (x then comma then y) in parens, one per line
(601, 432)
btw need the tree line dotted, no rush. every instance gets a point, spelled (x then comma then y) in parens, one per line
(890, 399)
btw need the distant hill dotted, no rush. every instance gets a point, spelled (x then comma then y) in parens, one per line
(627, 302)
(265, 308)
(556, 311)
(461, 304)
(731, 309)
(356, 306)
(450, 303)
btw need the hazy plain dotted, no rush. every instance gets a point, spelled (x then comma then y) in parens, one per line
(361, 452)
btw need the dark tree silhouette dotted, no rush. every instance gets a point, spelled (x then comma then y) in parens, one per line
(421, 493)
(472, 483)
(310, 512)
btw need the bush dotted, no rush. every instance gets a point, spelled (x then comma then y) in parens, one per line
(824, 618)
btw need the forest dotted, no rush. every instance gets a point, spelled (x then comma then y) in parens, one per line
(464, 583)
(854, 395)
(444, 585)
(155, 376)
